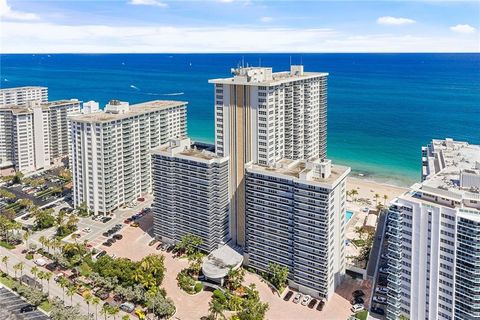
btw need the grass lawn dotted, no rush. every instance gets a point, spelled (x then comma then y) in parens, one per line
(362, 315)
(45, 306)
(358, 242)
(7, 245)
(6, 281)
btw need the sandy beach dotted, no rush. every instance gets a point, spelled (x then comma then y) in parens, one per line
(368, 189)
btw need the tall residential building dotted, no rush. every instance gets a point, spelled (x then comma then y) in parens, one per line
(110, 154)
(434, 236)
(190, 189)
(295, 218)
(263, 117)
(36, 135)
(20, 96)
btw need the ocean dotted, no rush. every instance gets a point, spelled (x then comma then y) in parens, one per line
(381, 107)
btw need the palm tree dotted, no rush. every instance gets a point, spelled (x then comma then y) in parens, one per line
(87, 296)
(151, 294)
(43, 241)
(48, 277)
(25, 237)
(385, 198)
(70, 293)
(216, 309)
(63, 282)
(18, 267)
(376, 196)
(95, 302)
(353, 193)
(114, 310)
(105, 310)
(5, 262)
(34, 270)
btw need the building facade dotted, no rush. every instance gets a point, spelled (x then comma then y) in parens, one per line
(110, 154)
(295, 218)
(263, 117)
(190, 189)
(35, 136)
(433, 235)
(21, 96)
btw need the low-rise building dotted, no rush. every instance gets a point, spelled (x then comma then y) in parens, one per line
(190, 189)
(295, 218)
(110, 154)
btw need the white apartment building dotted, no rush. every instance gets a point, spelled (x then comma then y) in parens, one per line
(190, 189)
(263, 117)
(36, 135)
(110, 154)
(295, 218)
(20, 96)
(434, 235)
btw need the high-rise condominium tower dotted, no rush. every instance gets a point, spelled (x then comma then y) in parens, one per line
(262, 117)
(110, 155)
(20, 96)
(434, 237)
(35, 135)
(295, 218)
(190, 189)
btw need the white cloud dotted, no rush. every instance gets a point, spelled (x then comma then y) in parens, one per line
(394, 21)
(266, 19)
(7, 13)
(155, 3)
(45, 37)
(463, 28)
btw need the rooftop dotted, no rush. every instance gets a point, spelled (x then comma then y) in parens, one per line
(220, 261)
(259, 76)
(304, 170)
(185, 148)
(22, 88)
(133, 110)
(451, 171)
(25, 109)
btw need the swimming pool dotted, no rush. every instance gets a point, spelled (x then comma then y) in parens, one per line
(348, 215)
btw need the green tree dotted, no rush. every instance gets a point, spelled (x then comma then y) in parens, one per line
(385, 198)
(189, 244)
(278, 275)
(4, 193)
(34, 270)
(216, 309)
(252, 307)
(44, 218)
(376, 196)
(70, 292)
(235, 278)
(17, 178)
(96, 302)
(19, 267)
(63, 282)
(5, 262)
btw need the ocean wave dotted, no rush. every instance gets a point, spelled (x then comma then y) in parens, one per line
(165, 94)
(134, 87)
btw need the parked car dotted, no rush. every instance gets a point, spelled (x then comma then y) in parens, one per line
(170, 248)
(107, 244)
(357, 308)
(312, 303)
(58, 276)
(320, 305)
(135, 225)
(306, 300)
(127, 307)
(28, 308)
(52, 266)
(380, 299)
(141, 199)
(87, 230)
(378, 310)
(102, 294)
(127, 221)
(357, 300)
(297, 298)
(381, 290)
(159, 247)
(101, 254)
(117, 236)
(151, 243)
(40, 262)
(288, 296)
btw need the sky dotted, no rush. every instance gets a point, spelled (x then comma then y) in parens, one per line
(137, 26)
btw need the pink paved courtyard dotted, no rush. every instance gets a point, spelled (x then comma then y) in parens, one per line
(134, 245)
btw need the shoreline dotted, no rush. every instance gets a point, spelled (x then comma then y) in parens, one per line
(367, 189)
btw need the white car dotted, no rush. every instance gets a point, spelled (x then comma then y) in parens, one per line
(382, 290)
(379, 299)
(357, 308)
(58, 276)
(306, 300)
(297, 298)
(127, 307)
(40, 262)
(87, 230)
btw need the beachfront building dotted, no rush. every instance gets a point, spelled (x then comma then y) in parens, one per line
(20, 96)
(35, 135)
(433, 236)
(190, 189)
(110, 153)
(295, 218)
(263, 117)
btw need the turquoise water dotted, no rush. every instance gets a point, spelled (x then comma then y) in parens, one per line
(381, 107)
(348, 215)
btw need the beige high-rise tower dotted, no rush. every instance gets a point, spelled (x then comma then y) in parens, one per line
(262, 117)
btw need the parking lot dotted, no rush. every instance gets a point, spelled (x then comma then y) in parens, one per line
(10, 303)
